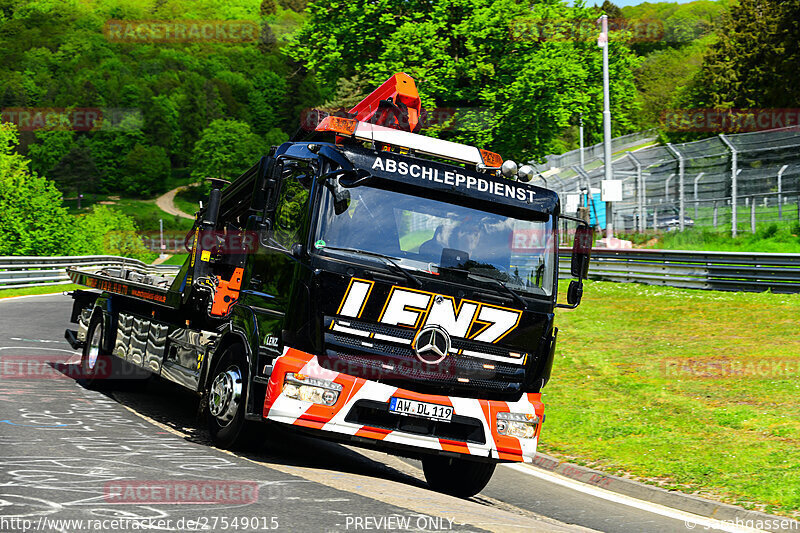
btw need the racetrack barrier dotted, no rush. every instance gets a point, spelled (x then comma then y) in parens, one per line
(722, 271)
(31, 271)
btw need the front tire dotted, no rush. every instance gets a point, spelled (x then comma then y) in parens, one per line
(462, 478)
(226, 392)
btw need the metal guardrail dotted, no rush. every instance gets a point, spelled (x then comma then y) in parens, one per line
(727, 271)
(591, 153)
(722, 271)
(30, 271)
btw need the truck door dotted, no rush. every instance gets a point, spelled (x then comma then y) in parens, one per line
(273, 270)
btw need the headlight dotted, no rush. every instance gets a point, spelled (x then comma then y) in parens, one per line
(312, 390)
(517, 425)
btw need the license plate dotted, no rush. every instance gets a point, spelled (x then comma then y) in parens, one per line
(433, 411)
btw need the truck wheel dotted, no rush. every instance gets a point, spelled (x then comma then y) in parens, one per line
(225, 400)
(458, 477)
(95, 362)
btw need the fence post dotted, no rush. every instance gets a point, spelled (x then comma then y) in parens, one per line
(681, 196)
(642, 222)
(780, 189)
(715, 213)
(696, 197)
(655, 217)
(666, 187)
(734, 192)
(753, 216)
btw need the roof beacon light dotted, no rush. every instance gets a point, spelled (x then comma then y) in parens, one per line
(344, 126)
(491, 159)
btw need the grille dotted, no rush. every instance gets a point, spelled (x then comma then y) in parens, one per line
(408, 335)
(383, 329)
(398, 366)
(377, 414)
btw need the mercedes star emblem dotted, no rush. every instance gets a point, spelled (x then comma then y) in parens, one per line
(432, 344)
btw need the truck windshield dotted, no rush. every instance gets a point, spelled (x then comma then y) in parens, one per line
(426, 235)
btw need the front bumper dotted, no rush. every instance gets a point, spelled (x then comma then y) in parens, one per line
(362, 411)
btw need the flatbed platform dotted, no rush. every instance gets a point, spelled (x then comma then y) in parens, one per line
(154, 285)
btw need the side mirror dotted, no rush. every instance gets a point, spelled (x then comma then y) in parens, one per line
(341, 197)
(581, 252)
(264, 231)
(574, 292)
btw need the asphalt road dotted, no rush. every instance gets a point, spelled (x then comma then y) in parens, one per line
(137, 458)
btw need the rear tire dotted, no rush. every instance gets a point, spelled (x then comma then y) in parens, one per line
(96, 363)
(226, 393)
(462, 478)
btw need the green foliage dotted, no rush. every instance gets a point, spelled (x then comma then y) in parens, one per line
(516, 93)
(685, 34)
(754, 63)
(226, 148)
(146, 168)
(55, 55)
(75, 172)
(52, 146)
(34, 222)
(663, 74)
(109, 231)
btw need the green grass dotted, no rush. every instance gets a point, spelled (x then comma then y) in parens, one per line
(177, 259)
(145, 213)
(187, 206)
(45, 289)
(777, 237)
(616, 402)
(188, 200)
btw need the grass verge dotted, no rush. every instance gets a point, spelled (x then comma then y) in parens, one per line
(187, 200)
(177, 259)
(45, 289)
(694, 390)
(770, 237)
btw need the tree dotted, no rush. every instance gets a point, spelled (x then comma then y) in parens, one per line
(612, 10)
(76, 172)
(106, 231)
(161, 122)
(32, 220)
(754, 62)
(514, 90)
(295, 5)
(226, 148)
(268, 7)
(146, 170)
(52, 146)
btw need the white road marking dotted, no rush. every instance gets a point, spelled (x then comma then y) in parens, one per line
(33, 340)
(36, 348)
(690, 520)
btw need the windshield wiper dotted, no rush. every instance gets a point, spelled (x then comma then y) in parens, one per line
(483, 277)
(385, 258)
(502, 285)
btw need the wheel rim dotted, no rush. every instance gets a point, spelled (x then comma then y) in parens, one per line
(225, 395)
(94, 347)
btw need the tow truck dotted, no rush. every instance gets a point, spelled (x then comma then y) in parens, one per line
(362, 283)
